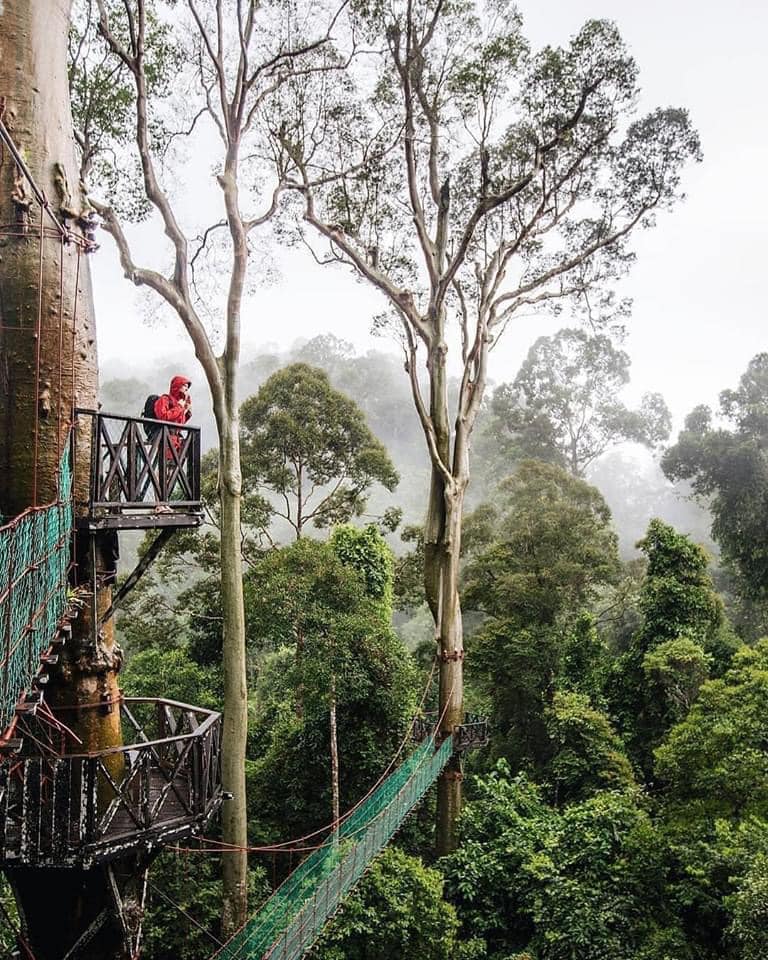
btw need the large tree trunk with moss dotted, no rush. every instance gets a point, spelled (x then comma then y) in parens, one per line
(234, 816)
(48, 367)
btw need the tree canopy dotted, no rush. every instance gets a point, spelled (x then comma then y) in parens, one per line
(545, 545)
(565, 404)
(682, 640)
(467, 178)
(727, 466)
(309, 445)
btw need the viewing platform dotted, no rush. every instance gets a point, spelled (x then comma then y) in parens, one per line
(68, 809)
(473, 734)
(145, 474)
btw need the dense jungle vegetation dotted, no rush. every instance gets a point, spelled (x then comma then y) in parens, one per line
(610, 586)
(621, 809)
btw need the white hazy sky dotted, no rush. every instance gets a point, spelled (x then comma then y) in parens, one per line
(699, 309)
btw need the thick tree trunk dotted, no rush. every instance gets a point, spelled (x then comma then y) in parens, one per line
(235, 731)
(48, 358)
(47, 367)
(442, 545)
(442, 575)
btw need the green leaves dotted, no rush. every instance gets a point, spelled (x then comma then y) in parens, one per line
(715, 759)
(552, 547)
(397, 911)
(564, 405)
(728, 467)
(103, 99)
(309, 444)
(586, 881)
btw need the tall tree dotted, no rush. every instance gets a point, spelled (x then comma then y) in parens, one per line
(564, 404)
(47, 368)
(726, 463)
(471, 179)
(232, 57)
(310, 445)
(538, 559)
(683, 637)
(327, 607)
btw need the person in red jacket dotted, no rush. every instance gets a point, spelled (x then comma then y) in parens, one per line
(174, 407)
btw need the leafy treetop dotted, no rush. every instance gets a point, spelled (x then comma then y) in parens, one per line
(728, 467)
(309, 444)
(564, 404)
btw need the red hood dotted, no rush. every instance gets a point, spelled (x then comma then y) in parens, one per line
(176, 384)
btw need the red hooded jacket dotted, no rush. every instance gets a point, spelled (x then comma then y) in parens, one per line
(169, 406)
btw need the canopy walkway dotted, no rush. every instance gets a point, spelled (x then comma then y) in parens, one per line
(34, 564)
(290, 922)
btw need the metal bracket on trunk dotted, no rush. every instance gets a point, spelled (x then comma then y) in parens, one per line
(453, 657)
(456, 775)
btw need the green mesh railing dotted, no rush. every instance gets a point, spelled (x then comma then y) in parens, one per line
(34, 560)
(293, 917)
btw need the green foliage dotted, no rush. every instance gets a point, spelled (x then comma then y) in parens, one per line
(679, 667)
(192, 884)
(538, 557)
(329, 622)
(677, 595)
(727, 467)
(564, 405)
(7, 938)
(551, 547)
(748, 905)
(397, 911)
(516, 669)
(171, 674)
(587, 754)
(309, 444)
(299, 591)
(682, 638)
(409, 570)
(576, 884)
(366, 551)
(715, 759)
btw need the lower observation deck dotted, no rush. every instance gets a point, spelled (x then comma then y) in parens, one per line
(81, 809)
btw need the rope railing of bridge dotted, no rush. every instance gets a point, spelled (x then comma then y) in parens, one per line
(34, 562)
(294, 916)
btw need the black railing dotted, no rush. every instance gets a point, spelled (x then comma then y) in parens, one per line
(138, 463)
(78, 809)
(472, 734)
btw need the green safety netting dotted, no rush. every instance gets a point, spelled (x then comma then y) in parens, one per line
(293, 917)
(34, 560)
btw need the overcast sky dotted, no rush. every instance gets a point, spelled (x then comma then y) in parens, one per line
(699, 309)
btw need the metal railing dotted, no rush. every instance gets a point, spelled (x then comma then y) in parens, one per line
(137, 463)
(472, 734)
(78, 809)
